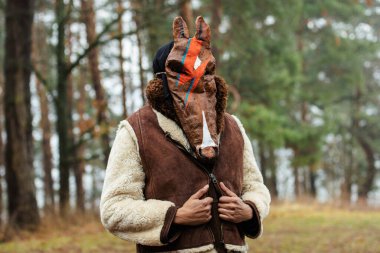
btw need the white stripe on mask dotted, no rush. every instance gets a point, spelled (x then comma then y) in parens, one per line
(207, 141)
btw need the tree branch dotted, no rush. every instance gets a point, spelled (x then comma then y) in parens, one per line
(44, 82)
(94, 44)
(106, 29)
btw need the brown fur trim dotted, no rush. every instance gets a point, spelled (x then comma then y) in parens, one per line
(156, 98)
(221, 102)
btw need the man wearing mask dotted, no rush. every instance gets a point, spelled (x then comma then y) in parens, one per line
(181, 176)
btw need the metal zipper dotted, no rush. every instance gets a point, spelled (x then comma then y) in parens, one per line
(215, 182)
(217, 188)
(210, 176)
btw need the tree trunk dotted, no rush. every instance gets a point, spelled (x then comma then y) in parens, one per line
(186, 12)
(39, 51)
(120, 10)
(62, 110)
(88, 15)
(47, 160)
(79, 163)
(297, 171)
(369, 179)
(1, 197)
(75, 158)
(1, 188)
(216, 20)
(297, 192)
(273, 173)
(94, 190)
(348, 169)
(312, 179)
(136, 6)
(268, 167)
(263, 162)
(1, 146)
(22, 204)
(346, 186)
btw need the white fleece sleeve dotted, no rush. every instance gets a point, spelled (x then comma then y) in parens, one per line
(254, 189)
(123, 208)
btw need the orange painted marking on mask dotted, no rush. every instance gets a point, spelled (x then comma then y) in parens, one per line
(198, 74)
(188, 66)
(189, 73)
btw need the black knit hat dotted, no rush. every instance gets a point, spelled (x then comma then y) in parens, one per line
(161, 56)
(159, 65)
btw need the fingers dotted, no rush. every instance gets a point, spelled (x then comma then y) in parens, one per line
(207, 201)
(226, 199)
(228, 214)
(206, 213)
(204, 216)
(200, 192)
(226, 217)
(207, 205)
(226, 190)
(206, 219)
(225, 211)
(230, 206)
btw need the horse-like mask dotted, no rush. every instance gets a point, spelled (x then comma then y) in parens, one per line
(190, 69)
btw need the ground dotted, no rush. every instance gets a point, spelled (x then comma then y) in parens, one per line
(289, 228)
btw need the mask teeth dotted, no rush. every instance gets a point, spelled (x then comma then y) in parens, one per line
(207, 141)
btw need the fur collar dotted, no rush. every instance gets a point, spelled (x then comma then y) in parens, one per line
(172, 128)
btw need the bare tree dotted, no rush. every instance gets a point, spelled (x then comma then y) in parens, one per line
(89, 19)
(62, 110)
(1, 144)
(39, 51)
(216, 20)
(137, 7)
(83, 126)
(22, 204)
(60, 95)
(120, 10)
(46, 148)
(186, 12)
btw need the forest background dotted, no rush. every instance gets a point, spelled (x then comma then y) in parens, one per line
(304, 77)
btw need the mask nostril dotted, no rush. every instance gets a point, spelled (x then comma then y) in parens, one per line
(208, 153)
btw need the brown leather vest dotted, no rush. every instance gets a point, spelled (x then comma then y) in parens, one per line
(170, 175)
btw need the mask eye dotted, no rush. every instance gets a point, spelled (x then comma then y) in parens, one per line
(175, 66)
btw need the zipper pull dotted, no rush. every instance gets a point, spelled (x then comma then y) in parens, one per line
(215, 182)
(213, 178)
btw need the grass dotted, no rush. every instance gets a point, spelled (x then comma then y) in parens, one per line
(289, 228)
(300, 228)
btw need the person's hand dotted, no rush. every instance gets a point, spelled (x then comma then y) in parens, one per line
(195, 211)
(232, 208)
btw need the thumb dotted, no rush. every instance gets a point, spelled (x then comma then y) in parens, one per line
(200, 192)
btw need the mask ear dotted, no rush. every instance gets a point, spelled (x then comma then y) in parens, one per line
(180, 29)
(221, 102)
(203, 30)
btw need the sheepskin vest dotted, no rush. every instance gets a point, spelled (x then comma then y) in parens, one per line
(172, 176)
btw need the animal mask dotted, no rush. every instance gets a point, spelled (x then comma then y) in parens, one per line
(190, 69)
